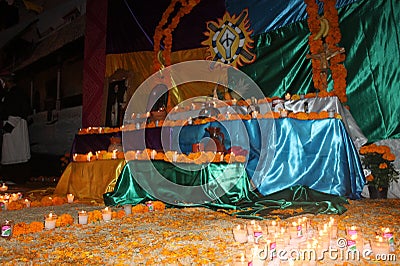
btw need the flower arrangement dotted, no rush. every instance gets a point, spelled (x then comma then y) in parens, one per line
(379, 160)
(163, 33)
(326, 44)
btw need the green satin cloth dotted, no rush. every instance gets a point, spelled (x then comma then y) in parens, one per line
(370, 36)
(301, 198)
(233, 184)
(239, 194)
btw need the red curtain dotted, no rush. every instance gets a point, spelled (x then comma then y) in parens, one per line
(94, 62)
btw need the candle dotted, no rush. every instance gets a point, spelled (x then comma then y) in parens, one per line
(256, 260)
(50, 221)
(106, 214)
(388, 235)
(284, 113)
(331, 113)
(82, 217)
(3, 187)
(114, 154)
(254, 114)
(153, 154)
(128, 209)
(27, 203)
(74, 157)
(234, 101)
(380, 246)
(150, 205)
(70, 198)
(240, 234)
(175, 156)
(89, 156)
(14, 197)
(287, 96)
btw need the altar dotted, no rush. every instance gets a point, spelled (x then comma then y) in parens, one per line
(318, 154)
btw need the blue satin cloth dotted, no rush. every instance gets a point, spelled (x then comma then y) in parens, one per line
(281, 152)
(314, 153)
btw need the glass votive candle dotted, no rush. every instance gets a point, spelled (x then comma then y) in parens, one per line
(50, 221)
(240, 234)
(128, 209)
(380, 246)
(82, 217)
(70, 198)
(106, 214)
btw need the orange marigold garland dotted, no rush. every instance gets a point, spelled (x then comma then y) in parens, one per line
(186, 7)
(331, 41)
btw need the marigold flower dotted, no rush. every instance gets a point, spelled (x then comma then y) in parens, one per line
(383, 166)
(369, 178)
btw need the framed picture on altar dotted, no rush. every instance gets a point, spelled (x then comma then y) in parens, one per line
(116, 103)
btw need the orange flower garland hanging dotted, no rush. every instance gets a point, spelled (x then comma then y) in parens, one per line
(324, 39)
(166, 32)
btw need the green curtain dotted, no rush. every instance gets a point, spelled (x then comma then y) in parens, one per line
(370, 35)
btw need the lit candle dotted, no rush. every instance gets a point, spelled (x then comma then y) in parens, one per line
(283, 113)
(89, 156)
(153, 154)
(114, 154)
(240, 234)
(175, 156)
(128, 209)
(287, 96)
(148, 114)
(234, 101)
(27, 203)
(82, 217)
(74, 157)
(70, 198)
(50, 221)
(380, 246)
(106, 214)
(388, 235)
(137, 154)
(14, 197)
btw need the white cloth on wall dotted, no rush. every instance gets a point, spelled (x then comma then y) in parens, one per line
(16, 147)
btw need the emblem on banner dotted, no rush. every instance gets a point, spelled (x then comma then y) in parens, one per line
(229, 40)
